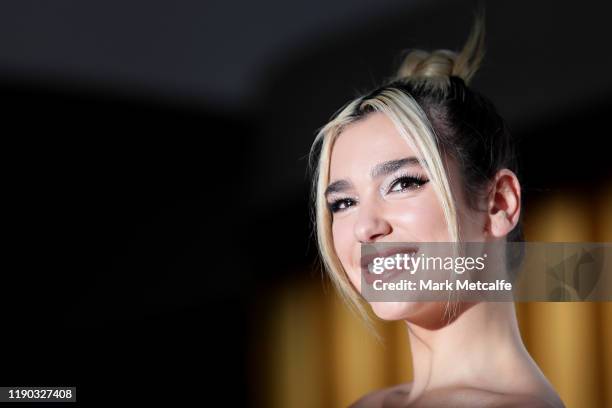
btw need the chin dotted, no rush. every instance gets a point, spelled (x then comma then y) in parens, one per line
(396, 310)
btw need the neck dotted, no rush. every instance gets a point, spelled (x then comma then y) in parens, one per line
(482, 348)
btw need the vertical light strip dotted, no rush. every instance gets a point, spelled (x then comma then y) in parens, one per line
(400, 355)
(562, 337)
(296, 374)
(605, 308)
(359, 361)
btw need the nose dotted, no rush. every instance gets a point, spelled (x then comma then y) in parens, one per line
(371, 224)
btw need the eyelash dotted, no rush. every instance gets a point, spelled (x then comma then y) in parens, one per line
(415, 181)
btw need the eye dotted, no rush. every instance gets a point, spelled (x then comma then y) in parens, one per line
(341, 204)
(404, 183)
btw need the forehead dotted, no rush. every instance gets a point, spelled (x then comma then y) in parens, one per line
(364, 144)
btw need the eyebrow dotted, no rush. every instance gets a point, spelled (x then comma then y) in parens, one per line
(381, 169)
(388, 167)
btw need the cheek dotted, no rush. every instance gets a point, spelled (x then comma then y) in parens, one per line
(345, 247)
(340, 233)
(420, 220)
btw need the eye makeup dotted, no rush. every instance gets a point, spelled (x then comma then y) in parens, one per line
(341, 204)
(402, 182)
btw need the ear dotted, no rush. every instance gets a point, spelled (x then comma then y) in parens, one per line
(504, 204)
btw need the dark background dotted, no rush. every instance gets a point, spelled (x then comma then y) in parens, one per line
(154, 158)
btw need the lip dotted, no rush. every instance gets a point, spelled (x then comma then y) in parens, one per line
(366, 260)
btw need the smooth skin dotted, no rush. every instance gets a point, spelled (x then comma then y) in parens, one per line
(477, 359)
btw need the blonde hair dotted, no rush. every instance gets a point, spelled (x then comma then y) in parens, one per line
(427, 73)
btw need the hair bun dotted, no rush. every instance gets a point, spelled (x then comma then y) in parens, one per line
(442, 64)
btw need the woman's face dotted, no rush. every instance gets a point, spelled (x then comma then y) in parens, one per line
(379, 192)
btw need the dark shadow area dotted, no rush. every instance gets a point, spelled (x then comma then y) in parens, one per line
(136, 252)
(567, 151)
(122, 213)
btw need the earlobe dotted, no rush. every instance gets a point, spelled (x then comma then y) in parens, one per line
(500, 224)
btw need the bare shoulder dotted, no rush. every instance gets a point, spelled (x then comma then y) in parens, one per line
(527, 401)
(398, 396)
(379, 398)
(472, 397)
